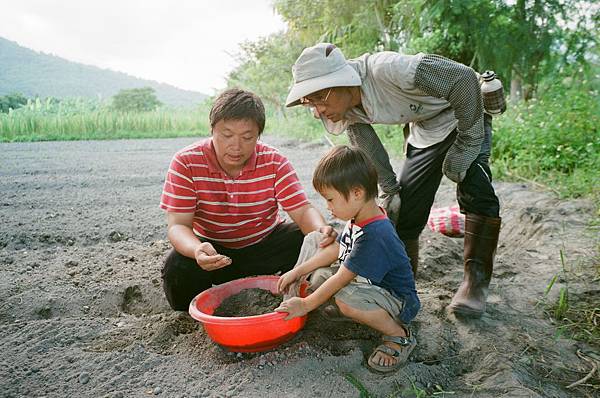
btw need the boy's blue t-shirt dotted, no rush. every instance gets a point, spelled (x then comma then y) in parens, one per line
(373, 250)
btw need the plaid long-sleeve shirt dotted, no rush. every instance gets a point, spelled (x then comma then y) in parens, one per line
(434, 94)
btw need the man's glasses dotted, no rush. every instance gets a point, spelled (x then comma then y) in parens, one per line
(317, 101)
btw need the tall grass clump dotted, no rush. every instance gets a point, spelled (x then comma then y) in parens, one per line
(50, 120)
(295, 122)
(554, 139)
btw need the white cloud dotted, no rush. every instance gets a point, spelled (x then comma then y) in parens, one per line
(182, 42)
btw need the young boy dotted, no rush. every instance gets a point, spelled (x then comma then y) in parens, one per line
(384, 296)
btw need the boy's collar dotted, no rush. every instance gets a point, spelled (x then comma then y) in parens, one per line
(372, 219)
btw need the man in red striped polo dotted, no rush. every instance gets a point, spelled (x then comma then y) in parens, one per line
(222, 197)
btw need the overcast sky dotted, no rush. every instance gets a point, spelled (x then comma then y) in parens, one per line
(185, 43)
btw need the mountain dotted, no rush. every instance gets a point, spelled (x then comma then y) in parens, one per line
(33, 73)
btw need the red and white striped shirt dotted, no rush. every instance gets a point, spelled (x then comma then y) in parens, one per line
(234, 212)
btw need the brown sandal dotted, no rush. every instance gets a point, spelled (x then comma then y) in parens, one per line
(407, 344)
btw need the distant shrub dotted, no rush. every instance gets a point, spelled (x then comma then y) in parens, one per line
(11, 101)
(136, 100)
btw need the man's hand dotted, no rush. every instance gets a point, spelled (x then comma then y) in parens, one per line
(286, 280)
(456, 163)
(329, 235)
(208, 259)
(295, 307)
(391, 203)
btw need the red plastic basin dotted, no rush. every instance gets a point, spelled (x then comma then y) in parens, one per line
(249, 333)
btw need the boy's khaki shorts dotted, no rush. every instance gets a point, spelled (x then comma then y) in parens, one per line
(360, 294)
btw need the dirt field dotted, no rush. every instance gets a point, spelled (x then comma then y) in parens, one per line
(82, 312)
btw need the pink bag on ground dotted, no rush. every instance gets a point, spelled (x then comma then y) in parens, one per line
(448, 221)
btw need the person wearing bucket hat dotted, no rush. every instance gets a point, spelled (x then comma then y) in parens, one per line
(447, 132)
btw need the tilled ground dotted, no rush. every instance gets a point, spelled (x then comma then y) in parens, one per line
(82, 312)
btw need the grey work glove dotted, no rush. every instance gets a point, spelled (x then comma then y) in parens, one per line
(459, 158)
(391, 203)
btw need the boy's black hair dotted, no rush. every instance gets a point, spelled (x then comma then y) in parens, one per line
(238, 104)
(344, 168)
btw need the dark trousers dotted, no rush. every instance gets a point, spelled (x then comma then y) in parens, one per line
(183, 278)
(421, 177)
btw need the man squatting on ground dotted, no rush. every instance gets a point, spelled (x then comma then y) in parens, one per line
(222, 194)
(383, 296)
(449, 134)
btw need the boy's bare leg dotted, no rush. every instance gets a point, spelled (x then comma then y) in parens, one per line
(381, 321)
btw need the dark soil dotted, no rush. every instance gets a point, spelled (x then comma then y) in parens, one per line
(83, 313)
(249, 302)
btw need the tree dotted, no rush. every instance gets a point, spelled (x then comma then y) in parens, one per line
(136, 100)
(356, 27)
(522, 40)
(11, 101)
(264, 68)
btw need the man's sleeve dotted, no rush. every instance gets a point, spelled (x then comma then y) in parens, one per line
(288, 190)
(443, 78)
(179, 195)
(365, 137)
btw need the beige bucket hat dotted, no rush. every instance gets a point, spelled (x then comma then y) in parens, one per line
(319, 67)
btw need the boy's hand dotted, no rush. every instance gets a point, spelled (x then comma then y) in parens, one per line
(329, 235)
(295, 307)
(284, 282)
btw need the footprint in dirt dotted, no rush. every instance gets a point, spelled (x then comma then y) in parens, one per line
(339, 337)
(142, 299)
(164, 336)
(133, 302)
(161, 333)
(44, 313)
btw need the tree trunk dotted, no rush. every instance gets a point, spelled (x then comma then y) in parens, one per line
(383, 23)
(516, 88)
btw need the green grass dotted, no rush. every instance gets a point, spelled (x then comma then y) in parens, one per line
(553, 141)
(296, 123)
(101, 135)
(399, 390)
(577, 316)
(83, 120)
(580, 322)
(362, 390)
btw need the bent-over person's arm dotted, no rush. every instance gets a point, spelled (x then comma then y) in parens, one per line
(458, 84)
